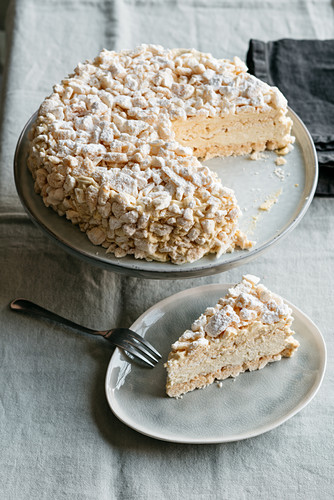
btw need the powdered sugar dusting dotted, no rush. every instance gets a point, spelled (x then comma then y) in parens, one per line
(245, 303)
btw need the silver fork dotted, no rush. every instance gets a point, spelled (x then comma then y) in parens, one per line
(128, 340)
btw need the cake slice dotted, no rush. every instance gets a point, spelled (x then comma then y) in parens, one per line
(245, 330)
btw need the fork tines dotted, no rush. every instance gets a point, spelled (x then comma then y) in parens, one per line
(147, 352)
(137, 346)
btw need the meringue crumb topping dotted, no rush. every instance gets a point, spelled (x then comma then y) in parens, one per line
(246, 302)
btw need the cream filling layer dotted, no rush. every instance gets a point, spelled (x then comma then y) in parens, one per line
(208, 359)
(235, 134)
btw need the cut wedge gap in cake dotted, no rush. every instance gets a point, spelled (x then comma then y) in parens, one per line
(247, 329)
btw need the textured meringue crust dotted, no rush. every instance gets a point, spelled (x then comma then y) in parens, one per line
(115, 149)
(247, 329)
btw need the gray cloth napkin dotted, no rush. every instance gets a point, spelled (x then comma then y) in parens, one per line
(304, 71)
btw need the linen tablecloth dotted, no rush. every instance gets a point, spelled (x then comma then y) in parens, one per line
(59, 439)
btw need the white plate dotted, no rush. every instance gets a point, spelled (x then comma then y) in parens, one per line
(253, 403)
(252, 181)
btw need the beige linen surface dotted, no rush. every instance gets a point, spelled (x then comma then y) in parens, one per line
(59, 439)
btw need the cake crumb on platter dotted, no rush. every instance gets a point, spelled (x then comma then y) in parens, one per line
(257, 155)
(279, 172)
(284, 151)
(280, 161)
(270, 201)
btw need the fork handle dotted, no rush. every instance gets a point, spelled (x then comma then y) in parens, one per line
(26, 306)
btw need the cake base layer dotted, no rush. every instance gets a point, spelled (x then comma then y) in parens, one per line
(199, 370)
(226, 371)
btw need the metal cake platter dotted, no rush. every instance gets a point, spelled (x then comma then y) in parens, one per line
(288, 190)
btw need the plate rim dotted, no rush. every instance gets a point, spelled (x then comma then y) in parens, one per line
(316, 334)
(176, 272)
